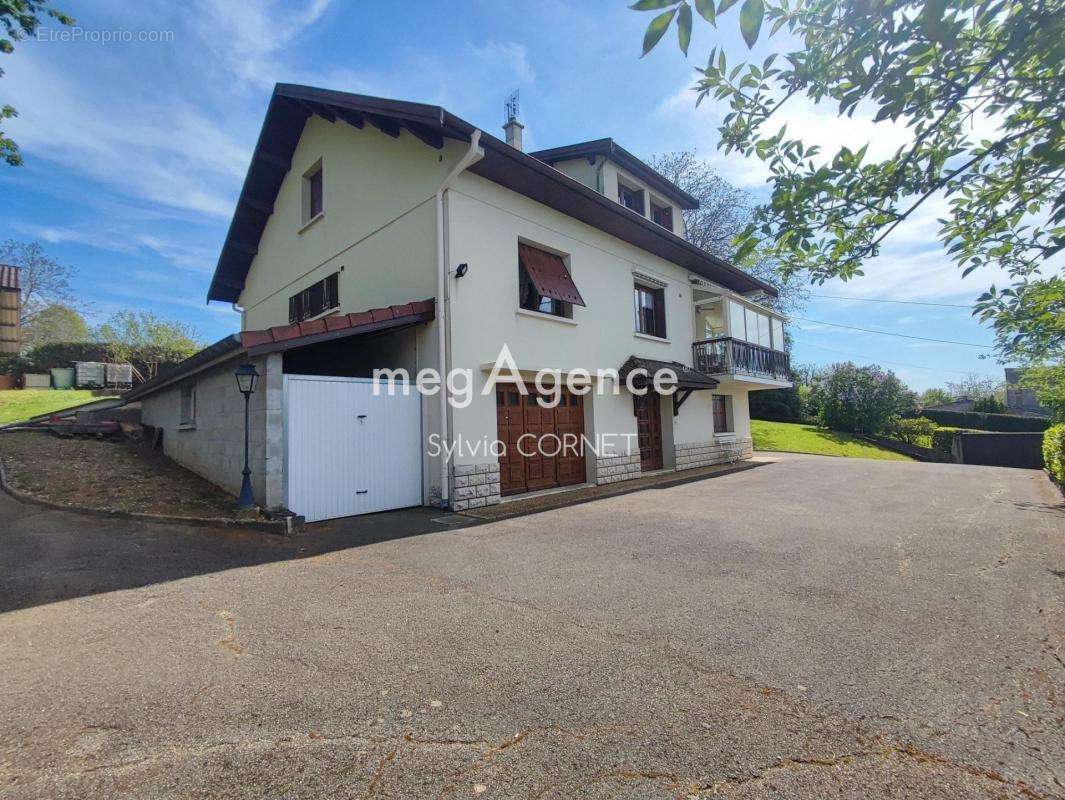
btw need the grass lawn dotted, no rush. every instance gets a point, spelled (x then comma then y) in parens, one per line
(19, 404)
(794, 438)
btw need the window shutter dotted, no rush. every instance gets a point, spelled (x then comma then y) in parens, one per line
(660, 312)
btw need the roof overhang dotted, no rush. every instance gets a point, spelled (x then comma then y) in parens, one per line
(611, 150)
(252, 344)
(291, 105)
(687, 378)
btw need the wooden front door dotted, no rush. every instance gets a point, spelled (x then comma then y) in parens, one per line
(543, 446)
(648, 409)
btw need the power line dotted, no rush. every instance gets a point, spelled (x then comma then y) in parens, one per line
(883, 361)
(900, 302)
(900, 335)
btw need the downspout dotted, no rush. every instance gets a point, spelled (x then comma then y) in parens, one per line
(474, 154)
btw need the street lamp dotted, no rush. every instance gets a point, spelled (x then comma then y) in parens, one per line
(247, 378)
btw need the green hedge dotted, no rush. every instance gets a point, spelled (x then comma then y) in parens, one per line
(943, 439)
(1004, 423)
(1054, 452)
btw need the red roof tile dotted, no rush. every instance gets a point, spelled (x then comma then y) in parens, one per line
(314, 330)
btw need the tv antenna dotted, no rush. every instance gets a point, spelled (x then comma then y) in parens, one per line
(511, 106)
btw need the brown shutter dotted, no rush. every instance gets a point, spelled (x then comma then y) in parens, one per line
(549, 275)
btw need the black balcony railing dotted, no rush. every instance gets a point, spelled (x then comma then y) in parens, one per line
(725, 355)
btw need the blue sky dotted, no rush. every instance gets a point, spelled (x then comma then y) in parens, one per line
(135, 151)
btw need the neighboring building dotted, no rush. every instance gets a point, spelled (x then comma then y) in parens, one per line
(10, 309)
(375, 233)
(1020, 399)
(960, 404)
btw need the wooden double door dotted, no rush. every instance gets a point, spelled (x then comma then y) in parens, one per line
(544, 447)
(648, 410)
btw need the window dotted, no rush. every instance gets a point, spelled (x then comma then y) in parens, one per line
(544, 283)
(778, 334)
(663, 215)
(313, 193)
(721, 415)
(650, 310)
(188, 406)
(315, 299)
(630, 197)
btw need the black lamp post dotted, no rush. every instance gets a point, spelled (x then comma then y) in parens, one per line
(247, 378)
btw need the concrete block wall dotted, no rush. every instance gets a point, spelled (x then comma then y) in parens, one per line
(214, 448)
(615, 468)
(474, 485)
(701, 454)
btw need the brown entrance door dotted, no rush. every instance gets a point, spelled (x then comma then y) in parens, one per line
(648, 409)
(543, 446)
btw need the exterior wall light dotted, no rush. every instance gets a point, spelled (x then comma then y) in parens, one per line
(247, 379)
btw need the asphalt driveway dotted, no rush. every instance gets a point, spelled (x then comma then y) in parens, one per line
(814, 627)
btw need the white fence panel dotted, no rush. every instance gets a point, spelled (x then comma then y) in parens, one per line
(348, 451)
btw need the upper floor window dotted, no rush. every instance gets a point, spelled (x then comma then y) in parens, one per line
(630, 197)
(650, 310)
(315, 299)
(663, 215)
(544, 283)
(313, 194)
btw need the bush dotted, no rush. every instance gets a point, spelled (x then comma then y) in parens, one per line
(989, 405)
(1054, 452)
(778, 405)
(860, 399)
(943, 439)
(917, 431)
(1004, 423)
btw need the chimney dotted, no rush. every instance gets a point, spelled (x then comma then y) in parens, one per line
(513, 128)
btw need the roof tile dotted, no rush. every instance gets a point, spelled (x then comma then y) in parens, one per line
(381, 314)
(361, 318)
(283, 333)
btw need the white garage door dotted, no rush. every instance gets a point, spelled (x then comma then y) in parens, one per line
(348, 451)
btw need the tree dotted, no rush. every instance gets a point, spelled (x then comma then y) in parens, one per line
(934, 397)
(1048, 382)
(974, 386)
(55, 323)
(143, 337)
(860, 399)
(940, 69)
(20, 19)
(44, 280)
(723, 213)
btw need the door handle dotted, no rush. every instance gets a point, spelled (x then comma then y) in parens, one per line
(361, 416)
(361, 491)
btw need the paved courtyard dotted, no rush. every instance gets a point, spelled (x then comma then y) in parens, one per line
(810, 628)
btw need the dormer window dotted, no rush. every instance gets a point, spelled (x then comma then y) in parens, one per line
(630, 197)
(662, 215)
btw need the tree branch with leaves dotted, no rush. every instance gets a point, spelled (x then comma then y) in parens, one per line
(944, 71)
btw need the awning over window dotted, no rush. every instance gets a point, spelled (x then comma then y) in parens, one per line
(549, 275)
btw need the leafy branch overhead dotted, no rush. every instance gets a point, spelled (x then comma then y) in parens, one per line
(978, 84)
(20, 19)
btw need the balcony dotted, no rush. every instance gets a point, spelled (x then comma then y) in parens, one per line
(724, 355)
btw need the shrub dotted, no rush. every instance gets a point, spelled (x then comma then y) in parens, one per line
(989, 405)
(1004, 423)
(943, 439)
(860, 399)
(780, 405)
(1054, 452)
(916, 431)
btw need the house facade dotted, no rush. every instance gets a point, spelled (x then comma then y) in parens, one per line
(379, 235)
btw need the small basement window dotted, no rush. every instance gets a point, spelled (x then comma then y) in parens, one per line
(188, 406)
(630, 197)
(650, 310)
(545, 284)
(313, 193)
(662, 215)
(315, 299)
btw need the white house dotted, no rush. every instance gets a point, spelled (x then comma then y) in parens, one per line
(377, 234)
